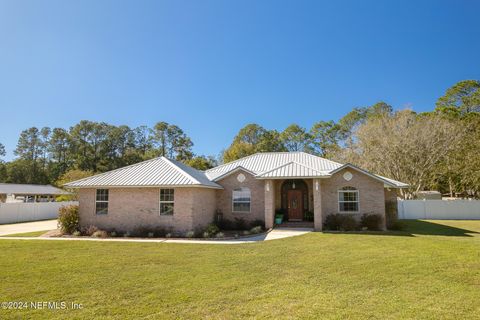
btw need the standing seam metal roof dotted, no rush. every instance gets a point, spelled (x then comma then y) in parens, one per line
(260, 163)
(155, 172)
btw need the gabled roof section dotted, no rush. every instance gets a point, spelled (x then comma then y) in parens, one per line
(292, 170)
(260, 163)
(155, 172)
(387, 182)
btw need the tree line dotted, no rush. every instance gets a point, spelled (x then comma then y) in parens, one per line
(436, 150)
(56, 155)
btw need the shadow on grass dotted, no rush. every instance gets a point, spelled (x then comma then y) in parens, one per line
(410, 228)
(434, 229)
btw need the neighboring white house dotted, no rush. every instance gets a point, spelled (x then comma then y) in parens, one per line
(15, 193)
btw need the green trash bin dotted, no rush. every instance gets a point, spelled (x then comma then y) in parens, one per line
(278, 218)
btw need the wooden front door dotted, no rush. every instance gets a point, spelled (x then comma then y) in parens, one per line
(295, 205)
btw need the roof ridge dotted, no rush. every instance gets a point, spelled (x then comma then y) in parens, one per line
(114, 170)
(286, 164)
(229, 163)
(180, 170)
(304, 165)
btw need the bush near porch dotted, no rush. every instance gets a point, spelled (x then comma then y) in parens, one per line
(319, 275)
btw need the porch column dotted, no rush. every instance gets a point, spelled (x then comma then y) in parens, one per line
(317, 204)
(269, 203)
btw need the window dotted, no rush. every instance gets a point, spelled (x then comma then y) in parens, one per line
(241, 200)
(101, 201)
(348, 199)
(166, 202)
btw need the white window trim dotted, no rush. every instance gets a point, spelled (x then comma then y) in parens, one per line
(164, 201)
(101, 201)
(249, 202)
(357, 202)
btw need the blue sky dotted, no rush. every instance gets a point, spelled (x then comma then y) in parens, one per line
(213, 66)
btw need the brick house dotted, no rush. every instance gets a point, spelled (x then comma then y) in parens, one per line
(166, 193)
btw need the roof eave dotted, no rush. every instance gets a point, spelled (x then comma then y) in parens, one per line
(146, 186)
(292, 177)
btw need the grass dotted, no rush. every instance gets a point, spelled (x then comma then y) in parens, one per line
(27, 234)
(430, 270)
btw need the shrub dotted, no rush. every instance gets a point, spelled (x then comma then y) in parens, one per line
(246, 232)
(332, 222)
(147, 231)
(76, 233)
(206, 235)
(168, 235)
(113, 234)
(190, 234)
(127, 234)
(211, 230)
(68, 219)
(240, 224)
(256, 229)
(226, 224)
(371, 221)
(220, 235)
(342, 222)
(90, 230)
(100, 234)
(347, 223)
(257, 223)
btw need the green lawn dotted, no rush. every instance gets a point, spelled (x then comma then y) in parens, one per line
(429, 271)
(26, 234)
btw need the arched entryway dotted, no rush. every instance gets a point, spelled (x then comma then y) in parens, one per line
(294, 199)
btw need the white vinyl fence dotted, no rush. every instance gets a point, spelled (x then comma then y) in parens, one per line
(30, 211)
(439, 209)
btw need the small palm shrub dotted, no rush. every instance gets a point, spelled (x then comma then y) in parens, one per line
(256, 229)
(257, 223)
(90, 230)
(68, 219)
(220, 235)
(100, 234)
(76, 233)
(246, 232)
(211, 230)
(190, 234)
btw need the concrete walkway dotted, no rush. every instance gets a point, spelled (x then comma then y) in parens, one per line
(272, 235)
(27, 227)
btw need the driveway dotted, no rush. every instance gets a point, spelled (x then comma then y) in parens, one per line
(27, 227)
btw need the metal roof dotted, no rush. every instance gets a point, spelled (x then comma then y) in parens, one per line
(40, 189)
(290, 165)
(155, 172)
(272, 165)
(291, 169)
(261, 163)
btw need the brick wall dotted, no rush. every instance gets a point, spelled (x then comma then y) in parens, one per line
(371, 193)
(131, 208)
(224, 197)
